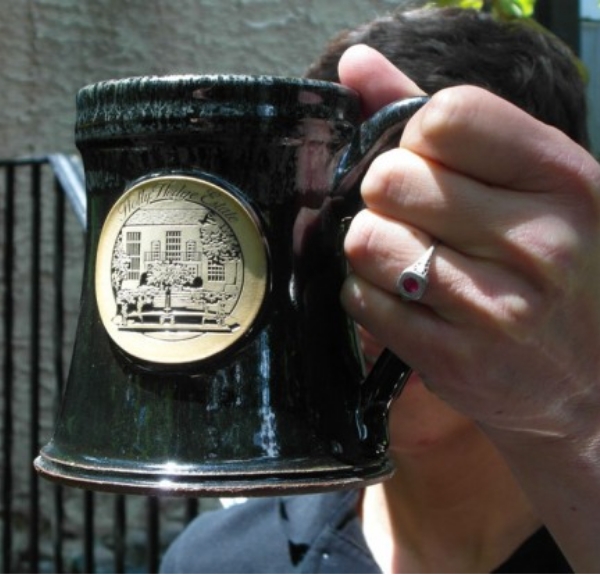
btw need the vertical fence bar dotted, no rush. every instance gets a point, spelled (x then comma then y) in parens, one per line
(191, 510)
(120, 533)
(34, 411)
(32, 554)
(89, 559)
(7, 371)
(57, 542)
(153, 535)
(58, 332)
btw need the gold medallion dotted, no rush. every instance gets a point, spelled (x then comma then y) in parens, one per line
(181, 269)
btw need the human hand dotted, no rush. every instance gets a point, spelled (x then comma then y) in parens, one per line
(509, 327)
(508, 330)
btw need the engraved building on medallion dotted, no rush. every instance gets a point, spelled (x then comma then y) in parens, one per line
(179, 264)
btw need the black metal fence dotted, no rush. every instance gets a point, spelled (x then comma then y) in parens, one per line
(48, 528)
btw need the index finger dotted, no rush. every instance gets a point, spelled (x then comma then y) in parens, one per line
(473, 132)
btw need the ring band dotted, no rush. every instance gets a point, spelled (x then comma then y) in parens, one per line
(413, 281)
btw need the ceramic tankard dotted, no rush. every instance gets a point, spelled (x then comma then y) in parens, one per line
(212, 355)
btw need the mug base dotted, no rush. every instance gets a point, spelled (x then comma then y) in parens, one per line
(214, 480)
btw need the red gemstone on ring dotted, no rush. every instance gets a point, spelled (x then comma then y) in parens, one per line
(410, 285)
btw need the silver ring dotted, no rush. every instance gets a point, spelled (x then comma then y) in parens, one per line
(413, 281)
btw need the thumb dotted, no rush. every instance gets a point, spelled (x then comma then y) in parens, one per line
(375, 78)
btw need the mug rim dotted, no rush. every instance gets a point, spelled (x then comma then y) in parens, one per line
(182, 102)
(212, 78)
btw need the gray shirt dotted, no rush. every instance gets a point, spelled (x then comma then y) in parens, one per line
(308, 534)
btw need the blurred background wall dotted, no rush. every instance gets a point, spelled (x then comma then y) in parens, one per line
(50, 48)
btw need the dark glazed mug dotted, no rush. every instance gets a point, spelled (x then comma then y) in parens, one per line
(212, 354)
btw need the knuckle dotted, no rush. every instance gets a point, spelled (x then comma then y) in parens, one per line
(395, 178)
(449, 110)
(360, 237)
(382, 173)
(520, 315)
(551, 253)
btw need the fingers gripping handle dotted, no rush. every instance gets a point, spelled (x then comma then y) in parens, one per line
(377, 134)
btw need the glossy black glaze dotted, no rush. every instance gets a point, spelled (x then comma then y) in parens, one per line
(286, 408)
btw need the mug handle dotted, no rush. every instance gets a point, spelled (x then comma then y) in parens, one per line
(379, 133)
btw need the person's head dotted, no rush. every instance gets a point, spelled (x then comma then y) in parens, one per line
(439, 48)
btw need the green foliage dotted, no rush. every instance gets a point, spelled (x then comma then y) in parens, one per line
(515, 8)
(506, 9)
(477, 4)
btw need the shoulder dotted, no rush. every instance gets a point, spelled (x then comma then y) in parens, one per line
(311, 533)
(244, 538)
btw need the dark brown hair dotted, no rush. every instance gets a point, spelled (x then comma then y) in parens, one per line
(439, 48)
